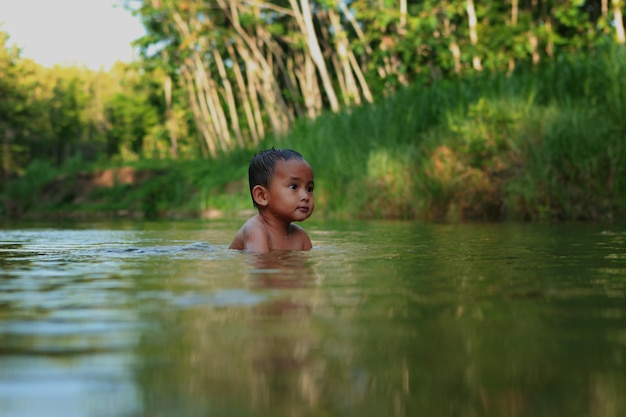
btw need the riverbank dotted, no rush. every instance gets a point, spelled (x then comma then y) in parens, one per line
(540, 144)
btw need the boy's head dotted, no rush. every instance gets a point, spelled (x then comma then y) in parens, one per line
(262, 166)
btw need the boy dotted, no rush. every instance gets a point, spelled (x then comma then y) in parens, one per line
(281, 186)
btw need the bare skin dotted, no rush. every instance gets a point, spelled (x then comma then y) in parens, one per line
(256, 235)
(288, 198)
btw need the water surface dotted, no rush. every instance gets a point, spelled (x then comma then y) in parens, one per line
(380, 319)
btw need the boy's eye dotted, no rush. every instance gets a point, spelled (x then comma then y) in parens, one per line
(293, 186)
(309, 189)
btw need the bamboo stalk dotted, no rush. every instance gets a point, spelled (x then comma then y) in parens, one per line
(171, 124)
(472, 21)
(275, 108)
(514, 11)
(242, 92)
(454, 46)
(349, 85)
(229, 96)
(305, 72)
(403, 13)
(367, 94)
(252, 89)
(207, 87)
(618, 21)
(305, 22)
(198, 115)
(359, 32)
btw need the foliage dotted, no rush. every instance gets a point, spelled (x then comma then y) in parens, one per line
(440, 110)
(17, 107)
(252, 68)
(222, 75)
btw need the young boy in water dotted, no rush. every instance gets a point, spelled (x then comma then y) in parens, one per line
(281, 186)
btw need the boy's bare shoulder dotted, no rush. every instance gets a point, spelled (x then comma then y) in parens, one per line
(251, 233)
(254, 236)
(294, 229)
(301, 236)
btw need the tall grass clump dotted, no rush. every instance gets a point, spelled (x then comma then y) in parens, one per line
(466, 160)
(192, 188)
(21, 195)
(575, 171)
(360, 156)
(575, 146)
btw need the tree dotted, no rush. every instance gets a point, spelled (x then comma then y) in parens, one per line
(16, 107)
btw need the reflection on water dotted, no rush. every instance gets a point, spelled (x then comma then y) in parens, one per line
(239, 358)
(284, 355)
(381, 318)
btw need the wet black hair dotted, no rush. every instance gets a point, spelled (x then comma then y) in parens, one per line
(262, 165)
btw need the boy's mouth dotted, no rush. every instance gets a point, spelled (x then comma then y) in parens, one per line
(303, 209)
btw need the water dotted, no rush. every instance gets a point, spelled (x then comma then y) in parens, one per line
(380, 319)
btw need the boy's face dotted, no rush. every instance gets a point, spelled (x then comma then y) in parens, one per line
(290, 193)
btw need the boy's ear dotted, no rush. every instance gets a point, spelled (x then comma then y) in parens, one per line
(259, 194)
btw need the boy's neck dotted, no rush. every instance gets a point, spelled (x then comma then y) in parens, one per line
(275, 225)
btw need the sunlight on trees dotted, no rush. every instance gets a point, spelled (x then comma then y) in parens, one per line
(217, 76)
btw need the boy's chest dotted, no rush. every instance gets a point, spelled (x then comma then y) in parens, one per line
(278, 241)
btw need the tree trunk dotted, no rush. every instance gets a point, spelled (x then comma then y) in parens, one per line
(304, 70)
(229, 97)
(266, 85)
(367, 94)
(534, 44)
(305, 21)
(471, 15)
(171, 123)
(200, 112)
(454, 46)
(351, 90)
(6, 152)
(403, 13)
(514, 11)
(359, 32)
(253, 94)
(242, 92)
(208, 98)
(618, 21)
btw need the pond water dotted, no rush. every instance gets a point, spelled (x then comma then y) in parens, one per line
(379, 319)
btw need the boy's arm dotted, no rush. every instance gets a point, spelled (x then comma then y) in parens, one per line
(237, 244)
(307, 245)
